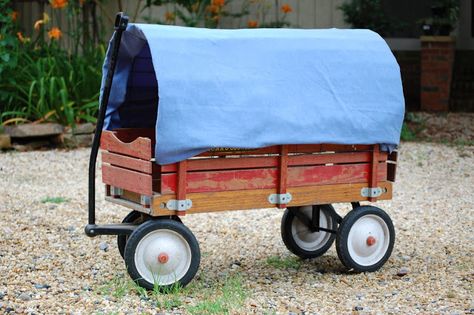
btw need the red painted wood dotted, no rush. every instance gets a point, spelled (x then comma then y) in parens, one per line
(140, 148)
(207, 164)
(268, 178)
(373, 178)
(126, 179)
(181, 185)
(127, 162)
(283, 173)
(293, 148)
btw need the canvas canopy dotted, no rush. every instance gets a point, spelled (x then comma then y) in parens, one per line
(251, 88)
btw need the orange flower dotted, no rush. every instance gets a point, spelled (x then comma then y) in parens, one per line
(169, 16)
(252, 24)
(58, 4)
(55, 33)
(14, 15)
(218, 3)
(286, 8)
(214, 9)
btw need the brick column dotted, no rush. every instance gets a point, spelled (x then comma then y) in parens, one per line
(437, 59)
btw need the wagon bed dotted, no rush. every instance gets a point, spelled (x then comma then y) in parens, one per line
(238, 179)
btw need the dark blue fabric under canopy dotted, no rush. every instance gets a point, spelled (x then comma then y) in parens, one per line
(203, 88)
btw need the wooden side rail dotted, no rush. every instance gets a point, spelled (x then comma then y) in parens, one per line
(140, 147)
(258, 198)
(263, 178)
(128, 165)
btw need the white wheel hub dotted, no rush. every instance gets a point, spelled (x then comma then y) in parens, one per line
(304, 238)
(368, 240)
(162, 257)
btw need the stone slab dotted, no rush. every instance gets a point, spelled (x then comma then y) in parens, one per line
(5, 141)
(83, 129)
(34, 130)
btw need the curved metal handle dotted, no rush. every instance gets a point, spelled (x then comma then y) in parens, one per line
(121, 21)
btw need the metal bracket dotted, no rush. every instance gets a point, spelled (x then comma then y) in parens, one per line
(179, 205)
(145, 200)
(277, 199)
(371, 192)
(115, 191)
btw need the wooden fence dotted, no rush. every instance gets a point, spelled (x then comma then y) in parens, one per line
(306, 13)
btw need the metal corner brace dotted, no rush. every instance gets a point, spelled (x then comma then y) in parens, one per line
(372, 192)
(179, 205)
(280, 198)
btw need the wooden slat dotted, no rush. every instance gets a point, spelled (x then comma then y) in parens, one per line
(140, 148)
(127, 179)
(127, 162)
(293, 148)
(181, 188)
(268, 178)
(283, 173)
(258, 198)
(272, 161)
(373, 176)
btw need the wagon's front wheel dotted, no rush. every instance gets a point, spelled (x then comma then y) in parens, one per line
(365, 239)
(161, 254)
(298, 237)
(137, 218)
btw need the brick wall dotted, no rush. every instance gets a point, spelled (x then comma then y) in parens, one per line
(437, 61)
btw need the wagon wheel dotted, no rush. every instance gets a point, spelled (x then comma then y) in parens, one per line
(298, 237)
(135, 217)
(365, 239)
(162, 253)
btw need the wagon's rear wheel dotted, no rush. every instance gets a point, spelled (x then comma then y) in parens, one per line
(135, 217)
(298, 237)
(365, 239)
(161, 254)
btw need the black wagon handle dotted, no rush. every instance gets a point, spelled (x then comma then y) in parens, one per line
(120, 25)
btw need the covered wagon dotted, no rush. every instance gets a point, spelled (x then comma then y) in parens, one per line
(198, 120)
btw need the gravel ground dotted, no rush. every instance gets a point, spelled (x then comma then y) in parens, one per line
(48, 265)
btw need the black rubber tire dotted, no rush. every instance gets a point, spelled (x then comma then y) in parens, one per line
(138, 218)
(148, 227)
(133, 217)
(290, 243)
(343, 234)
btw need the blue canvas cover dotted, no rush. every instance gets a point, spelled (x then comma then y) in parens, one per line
(251, 88)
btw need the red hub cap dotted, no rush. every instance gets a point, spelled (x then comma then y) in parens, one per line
(370, 241)
(163, 258)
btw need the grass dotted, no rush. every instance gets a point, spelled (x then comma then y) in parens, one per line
(232, 297)
(56, 200)
(412, 126)
(219, 297)
(284, 262)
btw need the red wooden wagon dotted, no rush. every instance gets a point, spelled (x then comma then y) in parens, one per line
(302, 179)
